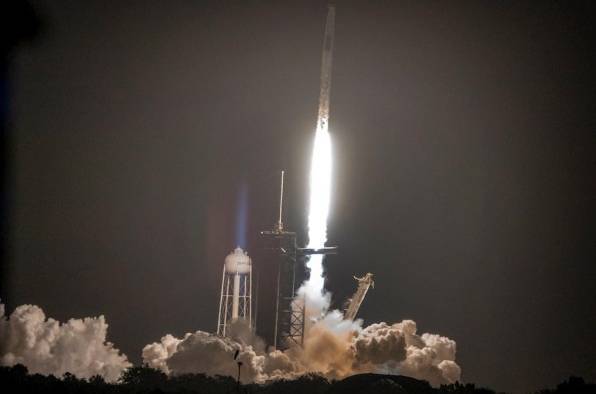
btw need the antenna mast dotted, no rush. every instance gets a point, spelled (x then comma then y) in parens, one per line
(280, 226)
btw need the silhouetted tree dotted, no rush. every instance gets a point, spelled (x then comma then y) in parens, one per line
(573, 385)
(144, 377)
(459, 388)
(97, 380)
(145, 380)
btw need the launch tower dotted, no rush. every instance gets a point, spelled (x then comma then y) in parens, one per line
(289, 309)
(289, 314)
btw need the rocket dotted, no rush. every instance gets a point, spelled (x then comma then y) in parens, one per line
(323, 118)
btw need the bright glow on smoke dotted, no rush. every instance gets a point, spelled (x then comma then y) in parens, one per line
(46, 346)
(335, 348)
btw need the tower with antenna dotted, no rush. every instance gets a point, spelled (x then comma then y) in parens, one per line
(281, 246)
(236, 291)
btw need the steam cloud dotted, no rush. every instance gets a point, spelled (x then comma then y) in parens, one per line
(334, 348)
(49, 347)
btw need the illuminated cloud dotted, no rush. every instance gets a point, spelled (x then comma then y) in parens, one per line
(47, 346)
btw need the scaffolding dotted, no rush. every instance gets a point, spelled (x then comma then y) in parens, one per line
(290, 310)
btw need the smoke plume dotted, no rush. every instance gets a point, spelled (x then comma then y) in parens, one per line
(47, 346)
(334, 348)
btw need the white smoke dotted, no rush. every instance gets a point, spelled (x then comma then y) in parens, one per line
(48, 347)
(156, 354)
(201, 352)
(334, 348)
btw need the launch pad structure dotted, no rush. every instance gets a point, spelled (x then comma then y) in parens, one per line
(281, 246)
(290, 309)
(355, 302)
(289, 312)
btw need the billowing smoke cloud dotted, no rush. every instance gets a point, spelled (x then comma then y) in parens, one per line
(334, 348)
(202, 352)
(48, 347)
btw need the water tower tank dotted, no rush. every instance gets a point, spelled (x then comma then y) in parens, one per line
(237, 262)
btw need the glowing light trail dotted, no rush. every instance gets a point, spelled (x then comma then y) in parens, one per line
(320, 172)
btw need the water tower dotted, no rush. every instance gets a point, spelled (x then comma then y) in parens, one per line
(236, 291)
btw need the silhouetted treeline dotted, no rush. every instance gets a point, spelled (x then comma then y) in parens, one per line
(573, 385)
(143, 379)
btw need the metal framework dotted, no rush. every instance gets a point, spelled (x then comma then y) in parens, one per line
(354, 303)
(289, 313)
(289, 309)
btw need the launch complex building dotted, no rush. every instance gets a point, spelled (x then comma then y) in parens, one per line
(281, 246)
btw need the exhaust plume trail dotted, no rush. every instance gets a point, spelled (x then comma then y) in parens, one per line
(320, 180)
(334, 346)
(327, 61)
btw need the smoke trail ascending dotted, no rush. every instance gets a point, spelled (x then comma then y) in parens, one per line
(48, 347)
(320, 182)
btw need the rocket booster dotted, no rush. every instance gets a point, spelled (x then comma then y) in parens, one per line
(323, 119)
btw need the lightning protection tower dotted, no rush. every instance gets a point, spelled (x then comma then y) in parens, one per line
(290, 311)
(236, 291)
(280, 246)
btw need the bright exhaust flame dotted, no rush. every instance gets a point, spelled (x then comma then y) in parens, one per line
(320, 195)
(316, 300)
(320, 189)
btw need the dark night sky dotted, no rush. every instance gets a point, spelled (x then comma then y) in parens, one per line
(465, 155)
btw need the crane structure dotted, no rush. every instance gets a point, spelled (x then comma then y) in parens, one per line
(354, 303)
